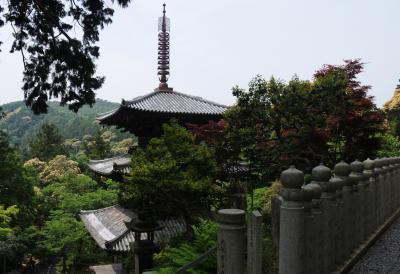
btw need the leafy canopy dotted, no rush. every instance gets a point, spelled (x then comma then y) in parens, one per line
(275, 124)
(47, 143)
(57, 41)
(172, 172)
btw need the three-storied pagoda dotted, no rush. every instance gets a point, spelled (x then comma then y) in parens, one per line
(145, 115)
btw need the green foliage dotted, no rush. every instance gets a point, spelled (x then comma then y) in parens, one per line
(6, 215)
(259, 198)
(47, 143)
(21, 124)
(57, 41)
(16, 184)
(98, 146)
(205, 237)
(60, 202)
(172, 172)
(275, 124)
(390, 146)
(62, 232)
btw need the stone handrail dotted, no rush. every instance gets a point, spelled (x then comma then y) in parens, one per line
(321, 223)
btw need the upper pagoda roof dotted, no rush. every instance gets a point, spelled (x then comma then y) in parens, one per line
(171, 102)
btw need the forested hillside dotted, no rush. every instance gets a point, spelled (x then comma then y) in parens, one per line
(22, 125)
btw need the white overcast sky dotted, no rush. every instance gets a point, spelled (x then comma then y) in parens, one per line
(217, 44)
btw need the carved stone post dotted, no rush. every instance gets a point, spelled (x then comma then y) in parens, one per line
(337, 220)
(321, 175)
(386, 191)
(342, 171)
(392, 185)
(318, 242)
(254, 243)
(309, 224)
(370, 197)
(291, 242)
(231, 241)
(397, 180)
(357, 211)
(379, 191)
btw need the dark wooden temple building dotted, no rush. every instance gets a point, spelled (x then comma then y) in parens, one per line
(144, 116)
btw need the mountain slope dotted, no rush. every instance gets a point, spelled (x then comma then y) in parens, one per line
(22, 125)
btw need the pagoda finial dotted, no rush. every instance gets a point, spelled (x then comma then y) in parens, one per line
(163, 50)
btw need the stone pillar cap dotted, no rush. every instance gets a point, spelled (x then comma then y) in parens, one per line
(357, 166)
(292, 178)
(231, 216)
(321, 173)
(369, 164)
(342, 169)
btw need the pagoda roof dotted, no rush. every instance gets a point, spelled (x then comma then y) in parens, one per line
(169, 102)
(108, 227)
(107, 166)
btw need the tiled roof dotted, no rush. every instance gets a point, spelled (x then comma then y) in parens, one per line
(106, 166)
(170, 102)
(108, 269)
(108, 229)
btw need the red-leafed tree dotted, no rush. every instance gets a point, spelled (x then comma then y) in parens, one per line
(352, 125)
(275, 124)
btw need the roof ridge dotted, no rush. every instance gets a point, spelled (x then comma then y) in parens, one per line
(201, 99)
(139, 99)
(99, 209)
(108, 159)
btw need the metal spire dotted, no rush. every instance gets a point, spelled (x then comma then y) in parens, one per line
(163, 51)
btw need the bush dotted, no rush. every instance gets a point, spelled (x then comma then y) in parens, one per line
(205, 237)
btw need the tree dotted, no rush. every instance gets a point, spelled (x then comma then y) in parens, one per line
(275, 124)
(47, 143)
(6, 215)
(57, 63)
(172, 173)
(58, 166)
(98, 146)
(16, 185)
(392, 108)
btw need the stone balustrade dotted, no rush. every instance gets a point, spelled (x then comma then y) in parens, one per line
(323, 222)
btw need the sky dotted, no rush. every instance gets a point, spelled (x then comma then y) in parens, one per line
(216, 45)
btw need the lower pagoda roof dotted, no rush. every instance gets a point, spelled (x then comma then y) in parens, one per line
(108, 227)
(107, 167)
(144, 115)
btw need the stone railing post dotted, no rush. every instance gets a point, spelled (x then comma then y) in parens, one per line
(385, 183)
(338, 218)
(392, 185)
(388, 183)
(254, 243)
(379, 191)
(356, 176)
(342, 171)
(309, 230)
(321, 175)
(291, 240)
(317, 242)
(231, 241)
(370, 197)
(397, 181)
